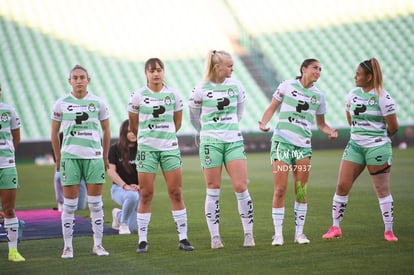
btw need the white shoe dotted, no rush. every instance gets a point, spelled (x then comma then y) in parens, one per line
(301, 239)
(216, 242)
(100, 250)
(277, 240)
(67, 253)
(115, 220)
(248, 240)
(124, 229)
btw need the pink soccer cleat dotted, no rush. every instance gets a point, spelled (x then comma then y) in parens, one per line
(333, 232)
(389, 236)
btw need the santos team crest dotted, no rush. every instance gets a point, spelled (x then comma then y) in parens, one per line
(371, 101)
(167, 100)
(4, 117)
(91, 107)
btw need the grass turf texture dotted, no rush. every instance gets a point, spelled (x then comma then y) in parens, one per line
(361, 250)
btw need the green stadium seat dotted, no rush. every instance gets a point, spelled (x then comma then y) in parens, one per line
(27, 53)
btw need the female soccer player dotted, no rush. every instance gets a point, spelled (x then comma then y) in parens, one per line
(9, 139)
(84, 153)
(155, 115)
(299, 101)
(216, 108)
(371, 113)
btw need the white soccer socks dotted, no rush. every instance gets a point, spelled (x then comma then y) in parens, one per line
(143, 220)
(245, 207)
(278, 215)
(96, 211)
(300, 210)
(68, 219)
(339, 204)
(180, 219)
(12, 228)
(387, 210)
(212, 211)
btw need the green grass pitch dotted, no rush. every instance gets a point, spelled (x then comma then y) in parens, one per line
(362, 249)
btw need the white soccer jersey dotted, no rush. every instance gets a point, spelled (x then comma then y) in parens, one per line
(81, 125)
(218, 103)
(156, 117)
(9, 121)
(297, 112)
(367, 111)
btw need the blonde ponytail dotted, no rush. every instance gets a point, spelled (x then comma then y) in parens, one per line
(213, 57)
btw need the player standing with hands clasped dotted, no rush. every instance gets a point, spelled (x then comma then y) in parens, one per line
(299, 101)
(84, 154)
(216, 108)
(155, 115)
(371, 113)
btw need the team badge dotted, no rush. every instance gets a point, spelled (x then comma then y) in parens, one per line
(167, 100)
(208, 160)
(91, 107)
(230, 92)
(4, 117)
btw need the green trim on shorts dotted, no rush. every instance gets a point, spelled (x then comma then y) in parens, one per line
(377, 155)
(288, 153)
(8, 178)
(147, 161)
(73, 170)
(217, 154)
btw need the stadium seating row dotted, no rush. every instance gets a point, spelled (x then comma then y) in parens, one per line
(340, 49)
(35, 64)
(38, 65)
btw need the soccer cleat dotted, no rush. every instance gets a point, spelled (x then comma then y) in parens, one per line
(389, 236)
(100, 250)
(124, 229)
(142, 247)
(333, 232)
(14, 256)
(248, 240)
(216, 243)
(301, 239)
(185, 245)
(115, 220)
(67, 253)
(277, 240)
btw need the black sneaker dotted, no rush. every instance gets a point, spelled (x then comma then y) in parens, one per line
(142, 247)
(185, 245)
